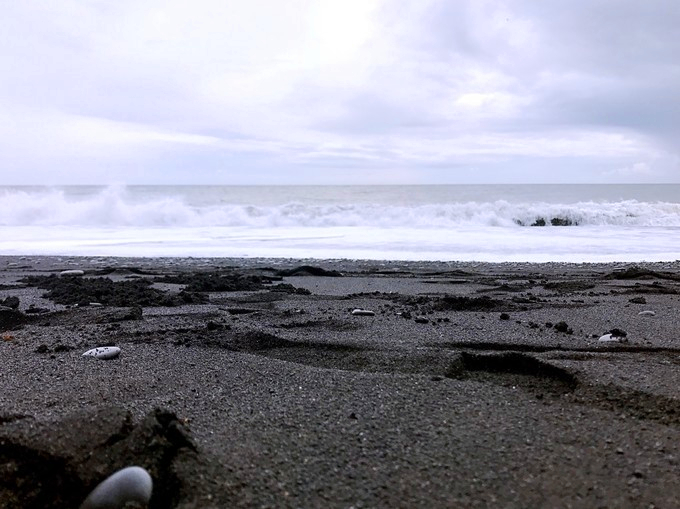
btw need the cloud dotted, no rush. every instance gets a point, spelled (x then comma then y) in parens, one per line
(432, 90)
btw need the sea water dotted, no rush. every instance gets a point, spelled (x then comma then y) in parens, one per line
(592, 223)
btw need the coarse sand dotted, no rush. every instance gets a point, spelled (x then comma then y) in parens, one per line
(250, 383)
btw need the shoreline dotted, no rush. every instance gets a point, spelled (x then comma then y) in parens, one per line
(51, 261)
(462, 389)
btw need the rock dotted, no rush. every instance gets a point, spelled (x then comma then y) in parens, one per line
(73, 272)
(614, 336)
(619, 333)
(647, 313)
(10, 318)
(421, 319)
(308, 270)
(10, 302)
(56, 464)
(505, 316)
(563, 221)
(563, 327)
(131, 484)
(363, 312)
(638, 300)
(103, 352)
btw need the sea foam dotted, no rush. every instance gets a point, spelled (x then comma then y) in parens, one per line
(119, 207)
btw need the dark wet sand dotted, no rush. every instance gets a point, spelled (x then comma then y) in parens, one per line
(464, 389)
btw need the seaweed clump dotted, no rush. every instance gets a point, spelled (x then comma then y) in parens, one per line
(217, 281)
(83, 291)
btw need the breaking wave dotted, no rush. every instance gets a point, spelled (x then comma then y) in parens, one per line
(118, 207)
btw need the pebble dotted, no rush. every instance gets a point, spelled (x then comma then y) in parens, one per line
(131, 484)
(103, 352)
(610, 338)
(647, 313)
(363, 312)
(73, 272)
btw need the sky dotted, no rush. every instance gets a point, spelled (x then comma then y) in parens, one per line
(339, 92)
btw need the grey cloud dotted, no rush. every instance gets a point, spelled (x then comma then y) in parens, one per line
(601, 66)
(368, 113)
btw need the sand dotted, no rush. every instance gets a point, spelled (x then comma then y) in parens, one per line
(473, 385)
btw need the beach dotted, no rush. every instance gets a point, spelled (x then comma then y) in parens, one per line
(252, 382)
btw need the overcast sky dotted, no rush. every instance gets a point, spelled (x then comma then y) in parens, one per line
(340, 91)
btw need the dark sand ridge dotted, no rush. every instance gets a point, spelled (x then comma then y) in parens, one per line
(456, 393)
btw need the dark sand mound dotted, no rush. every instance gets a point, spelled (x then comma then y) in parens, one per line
(83, 291)
(55, 465)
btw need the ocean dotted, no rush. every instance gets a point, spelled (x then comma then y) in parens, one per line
(488, 223)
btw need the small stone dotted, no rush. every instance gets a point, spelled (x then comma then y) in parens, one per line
(421, 319)
(103, 352)
(638, 300)
(73, 272)
(10, 318)
(213, 325)
(131, 484)
(609, 338)
(647, 313)
(363, 312)
(563, 327)
(10, 302)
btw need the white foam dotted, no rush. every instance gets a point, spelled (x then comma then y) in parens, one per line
(117, 221)
(594, 244)
(119, 207)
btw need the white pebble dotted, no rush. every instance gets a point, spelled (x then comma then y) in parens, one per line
(103, 352)
(609, 338)
(131, 484)
(74, 272)
(647, 313)
(363, 312)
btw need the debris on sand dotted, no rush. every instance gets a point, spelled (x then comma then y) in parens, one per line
(82, 291)
(363, 312)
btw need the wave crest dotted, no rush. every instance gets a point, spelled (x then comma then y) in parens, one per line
(119, 207)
